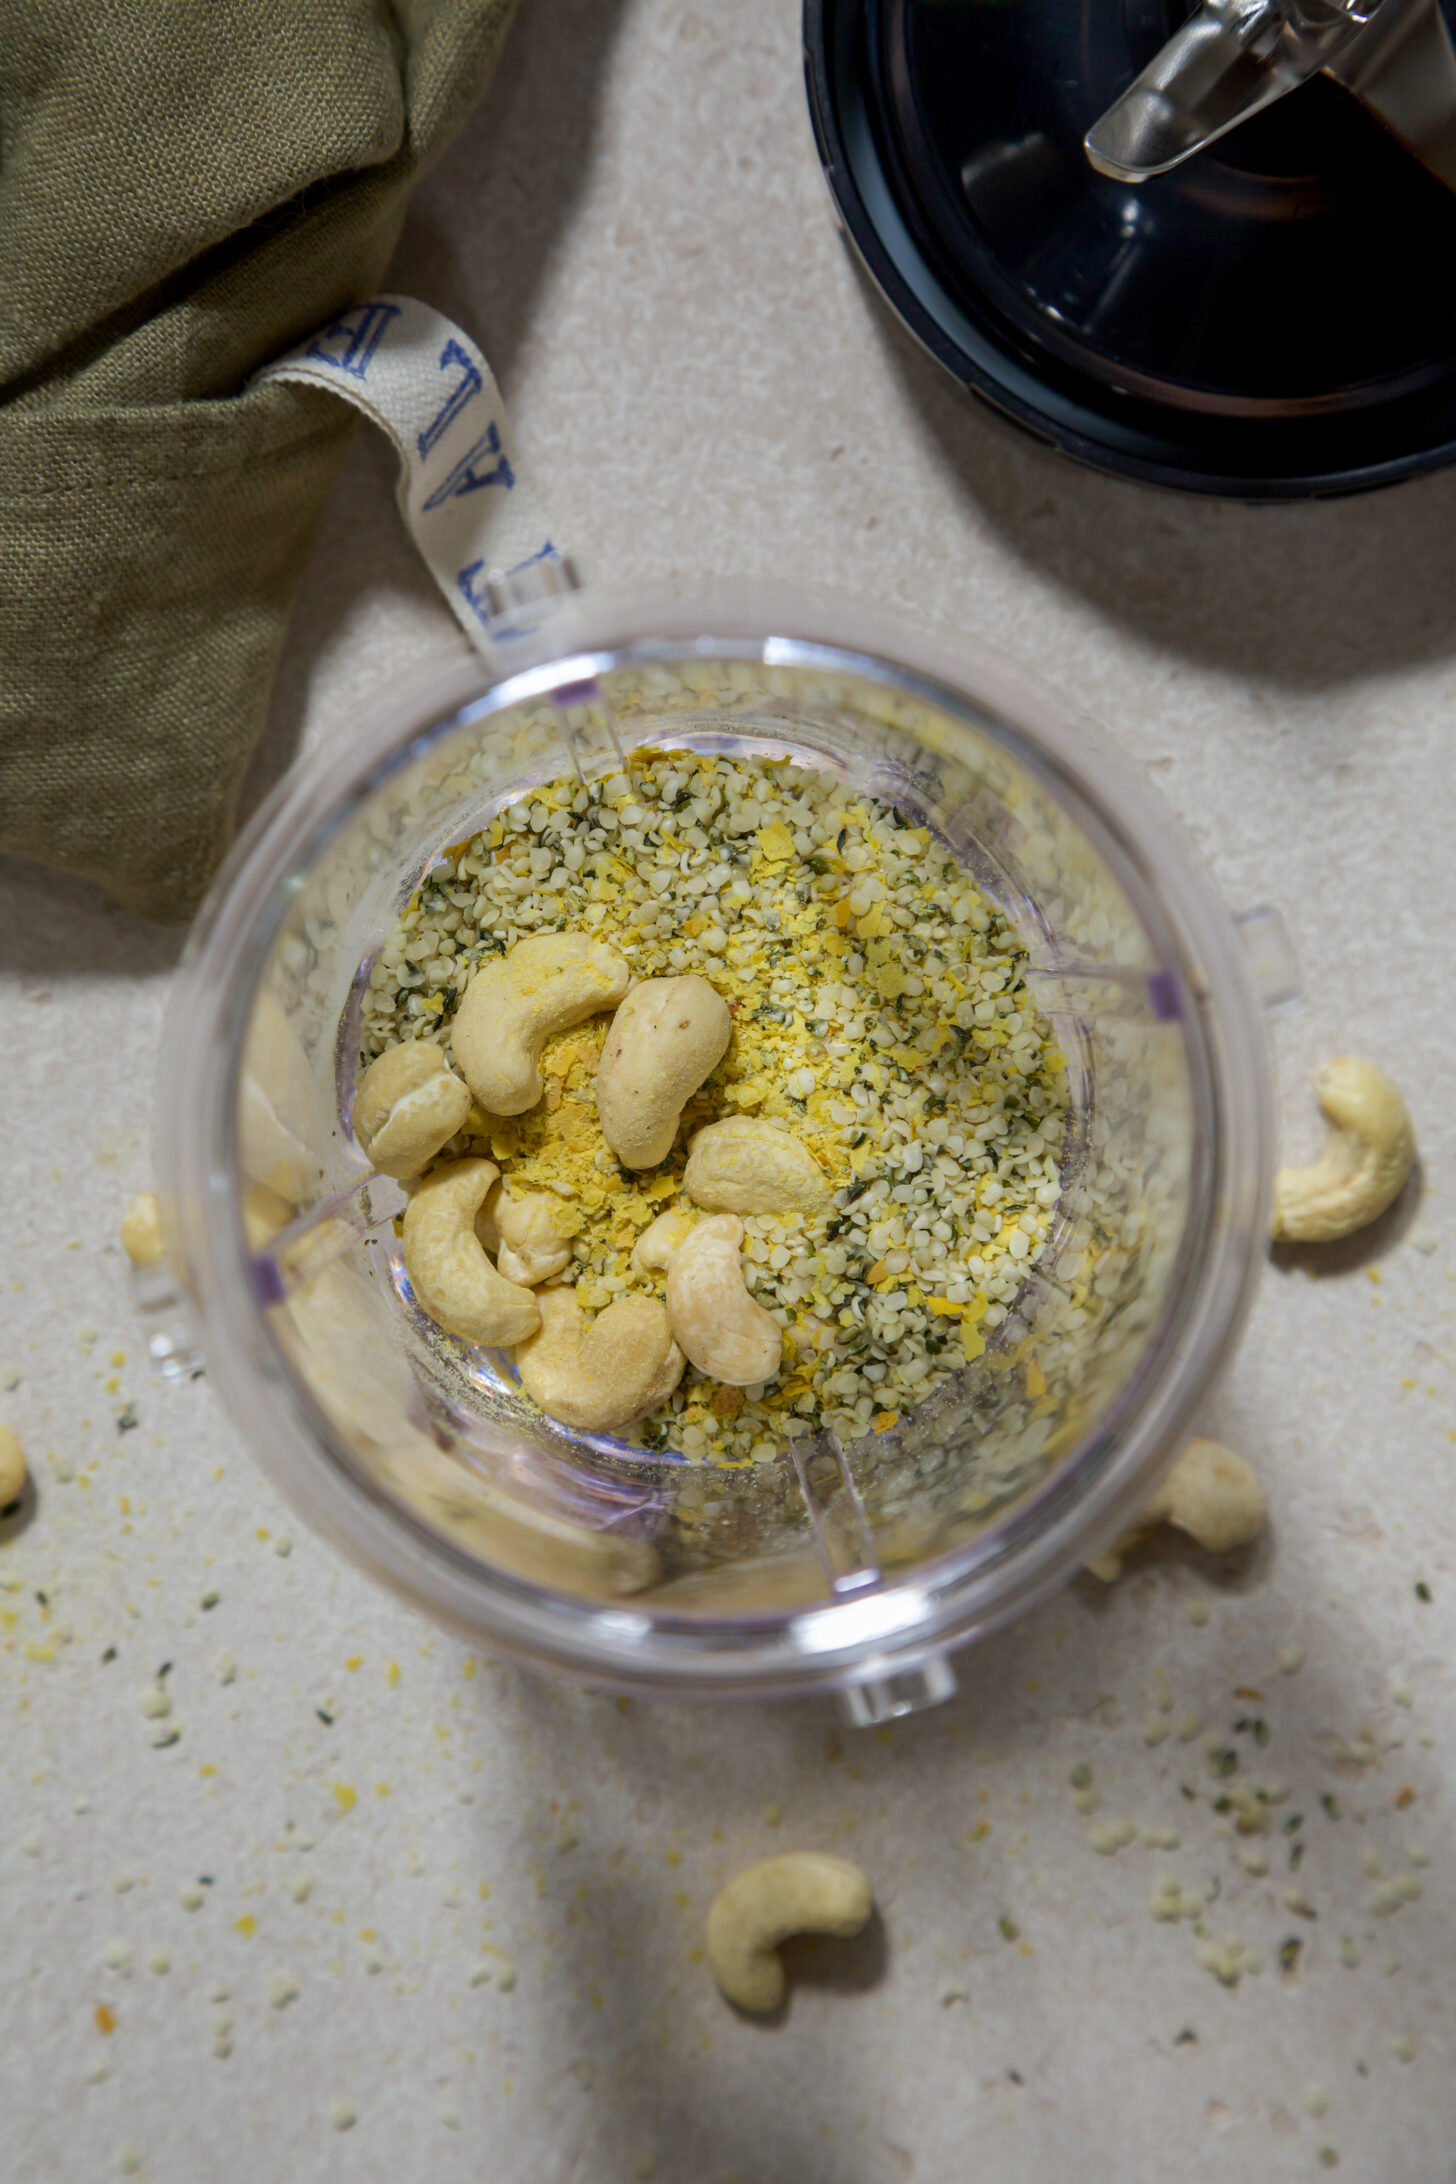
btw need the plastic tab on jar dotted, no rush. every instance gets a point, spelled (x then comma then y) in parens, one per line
(905, 1691)
(1273, 965)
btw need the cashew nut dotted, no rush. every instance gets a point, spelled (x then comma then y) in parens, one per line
(750, 1165)
(1365, 1160)
(598, 1378)
(515, 1002)
(265, 1215)
(667, 1036)
(453, 1280)
(276, 1103)
(543, 1545)
(1210, 1493)
(654, 1248)
(799, 1892)
(714, 1319)
(522, 1229)
(12, 1468)
(409, 1103)
(141, 1230)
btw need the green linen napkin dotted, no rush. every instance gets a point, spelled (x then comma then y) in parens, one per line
(186, 190)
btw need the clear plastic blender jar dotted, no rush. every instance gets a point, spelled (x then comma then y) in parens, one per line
(855, 1568)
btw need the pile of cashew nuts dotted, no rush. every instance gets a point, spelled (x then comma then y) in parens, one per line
(477, 1249)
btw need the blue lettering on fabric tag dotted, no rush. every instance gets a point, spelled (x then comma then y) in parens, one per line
(469, 386)
(426, 384)
(361, 332)
(465, 478)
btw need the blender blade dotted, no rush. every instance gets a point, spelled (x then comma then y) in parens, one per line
(1235, 57)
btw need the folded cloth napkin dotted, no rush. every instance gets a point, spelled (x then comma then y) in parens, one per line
(185, 192)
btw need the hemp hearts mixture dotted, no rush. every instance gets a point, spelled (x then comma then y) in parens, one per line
(878, 1011)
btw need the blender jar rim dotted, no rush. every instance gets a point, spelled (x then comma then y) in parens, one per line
(911, 1618)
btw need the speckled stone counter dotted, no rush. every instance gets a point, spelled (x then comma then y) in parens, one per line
(363, 1905)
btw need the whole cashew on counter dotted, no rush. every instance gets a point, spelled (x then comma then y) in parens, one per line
(453, 1280)
(12, 1468)
(724, 1332)
(799, 1892)
(141, 1230)
(598, 1378)
(409, 1103)
(1210, 1493)
(1362, 1166)
(515, 1002)
(665, 1039)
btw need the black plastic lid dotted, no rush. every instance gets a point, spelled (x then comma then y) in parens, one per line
(1275, 319)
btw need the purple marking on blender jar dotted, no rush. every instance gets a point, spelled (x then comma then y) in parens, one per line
(266, 1282)
(577, 693)
(1163, 995)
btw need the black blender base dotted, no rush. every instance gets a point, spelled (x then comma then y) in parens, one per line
(1276, 319)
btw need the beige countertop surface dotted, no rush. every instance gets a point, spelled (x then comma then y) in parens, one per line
(448, 1917)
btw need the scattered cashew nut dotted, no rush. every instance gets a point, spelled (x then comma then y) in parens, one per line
(654, 1249)
(750, 1165)
(521, 1228)
(667, 1036)
(453, 1280)
(514, 1003)
(598, 1378)
(141, 1230)
(1365, 1159)
(12, 1468)
(409, 1103)
(799, 1892)
(1210, 1493)
(724, 1332)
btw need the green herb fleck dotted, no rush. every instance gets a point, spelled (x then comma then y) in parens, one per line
(1008, 1928)
(1423, 1590)
(1186, 2038)
(126, 1419)
(1289, 1953)
(1331, 1804)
